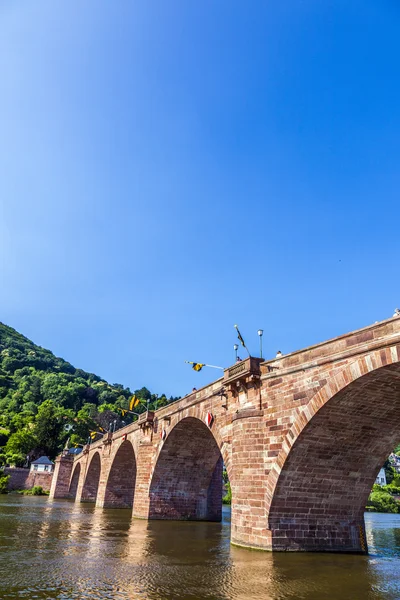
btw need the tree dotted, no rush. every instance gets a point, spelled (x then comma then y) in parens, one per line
(50, 429)
(381, 501)
(3, 482)
(18, 446)
(389, 471)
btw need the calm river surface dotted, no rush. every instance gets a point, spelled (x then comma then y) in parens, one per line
(64, 551)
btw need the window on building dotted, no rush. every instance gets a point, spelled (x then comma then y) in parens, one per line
(35, 467)
(46, 467)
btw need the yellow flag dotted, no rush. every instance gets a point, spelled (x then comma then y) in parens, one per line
(198, 366)
(93, 434)
(134, 402)
(123, 412)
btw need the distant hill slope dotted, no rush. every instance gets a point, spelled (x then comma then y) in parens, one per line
(33, 381)
(17, 351)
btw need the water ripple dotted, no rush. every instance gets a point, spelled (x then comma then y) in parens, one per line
(62, 551)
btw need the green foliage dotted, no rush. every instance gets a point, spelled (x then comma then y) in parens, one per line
(380, 500)
(37, 490)
(3, 482)
(49, 428)
(18, 445)
(227, 499)
(44, 400)
(390, 472)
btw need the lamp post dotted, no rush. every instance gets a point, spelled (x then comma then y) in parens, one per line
(235, 347)
(260, 334)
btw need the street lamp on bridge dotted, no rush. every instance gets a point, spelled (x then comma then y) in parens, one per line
(260, 334)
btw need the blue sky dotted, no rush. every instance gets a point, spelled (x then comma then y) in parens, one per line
(169, 169)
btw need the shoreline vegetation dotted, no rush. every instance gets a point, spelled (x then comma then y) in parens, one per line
(386, 498)
(37, 490)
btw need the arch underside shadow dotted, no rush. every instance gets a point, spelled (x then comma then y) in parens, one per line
(73, 486)
(92, 479)
(187, 480)
(120, 488)
(321, 493)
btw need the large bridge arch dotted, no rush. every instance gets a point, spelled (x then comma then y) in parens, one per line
(187, 479)
(121, 481)
(92, 479)
(329, 460)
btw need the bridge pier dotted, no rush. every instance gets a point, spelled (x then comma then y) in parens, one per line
(146, 453)
(328, 533)
(248, 522)
(213, 501)
(61, 477)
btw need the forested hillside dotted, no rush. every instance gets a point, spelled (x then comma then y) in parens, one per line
(44, 401)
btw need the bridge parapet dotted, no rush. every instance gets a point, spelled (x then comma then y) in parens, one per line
(378, 335)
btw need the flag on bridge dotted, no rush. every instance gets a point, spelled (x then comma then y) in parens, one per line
(134, 402)
(240, 338)
(198, 366)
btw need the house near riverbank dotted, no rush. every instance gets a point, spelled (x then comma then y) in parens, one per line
(395, 462)
(42, 465)
(381, 477)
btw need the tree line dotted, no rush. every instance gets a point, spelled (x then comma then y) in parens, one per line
(45, 401)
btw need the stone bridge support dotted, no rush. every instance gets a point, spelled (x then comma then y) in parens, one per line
(302, 438)
(145, 459)
(61, 478)
(248, 479)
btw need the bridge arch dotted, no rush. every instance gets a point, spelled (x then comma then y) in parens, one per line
(120, 486)
(92, 479)
(330, 457)
(73, 486)
(187, 478)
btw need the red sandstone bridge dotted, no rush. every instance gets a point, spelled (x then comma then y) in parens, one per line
(302, 438)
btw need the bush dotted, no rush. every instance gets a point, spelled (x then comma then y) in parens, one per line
(382, 501)
(4, 483)
(37, 490)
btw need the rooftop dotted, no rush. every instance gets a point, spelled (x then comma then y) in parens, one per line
(43, 460)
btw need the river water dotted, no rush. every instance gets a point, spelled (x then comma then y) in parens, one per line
(64, 551)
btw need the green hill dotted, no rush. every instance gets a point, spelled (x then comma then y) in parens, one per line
(44, 401)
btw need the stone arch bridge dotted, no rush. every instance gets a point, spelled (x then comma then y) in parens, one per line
(302, 438)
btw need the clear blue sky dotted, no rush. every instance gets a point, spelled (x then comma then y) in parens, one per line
(171, 168)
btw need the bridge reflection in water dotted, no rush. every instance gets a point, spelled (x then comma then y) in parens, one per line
(62, 550)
